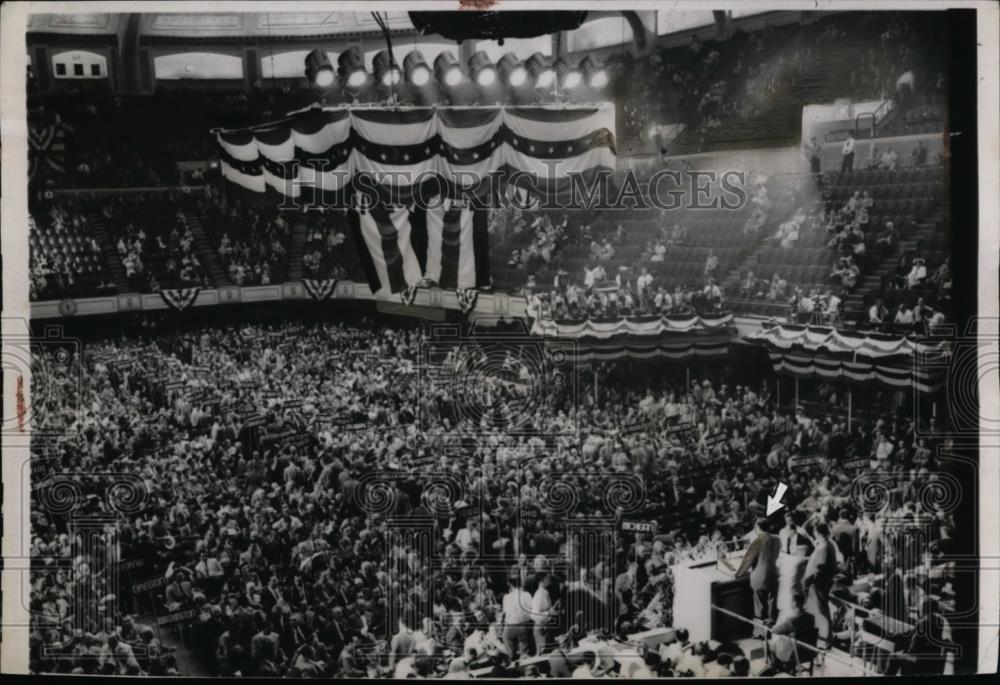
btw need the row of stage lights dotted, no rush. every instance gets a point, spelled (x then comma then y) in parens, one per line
(518, 78)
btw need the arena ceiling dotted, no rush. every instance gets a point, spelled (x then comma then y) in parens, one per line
(266, 24)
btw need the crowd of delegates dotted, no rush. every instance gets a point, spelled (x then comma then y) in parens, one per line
(65, 257)
(258, 444)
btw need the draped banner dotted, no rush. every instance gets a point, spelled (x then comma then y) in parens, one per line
(639, 326)
(821, 352)
(321, 151)
(319, 289)
(688, 347)
(408, 295)
(47, 145)
(822, 338)
(467, 299)
(921, 378)
(180, 298)
(402, 247)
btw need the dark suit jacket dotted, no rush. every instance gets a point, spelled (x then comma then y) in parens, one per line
(762, 557)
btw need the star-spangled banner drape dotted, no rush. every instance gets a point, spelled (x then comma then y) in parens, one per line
(407, 175)
(320, 150)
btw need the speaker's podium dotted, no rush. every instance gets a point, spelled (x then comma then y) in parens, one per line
(700, 585)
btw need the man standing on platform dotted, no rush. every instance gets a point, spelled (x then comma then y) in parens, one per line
(762, 558)
(818, 579)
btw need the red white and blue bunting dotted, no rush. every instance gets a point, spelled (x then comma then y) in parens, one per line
(319, 289)
(322, 149)
(824, 353)
(688, 347)
(180, 298)
(467, 299)
(638, 326)
(824, 339)
(921, 378)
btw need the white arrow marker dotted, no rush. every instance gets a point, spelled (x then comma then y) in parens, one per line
(775, 503)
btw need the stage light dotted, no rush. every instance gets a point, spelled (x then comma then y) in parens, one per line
(416, 69)
(569, 78)
(386, 70)
(319, 71)
(447, 69)
(512, 70)
(594, 72)
(352, 68)
(482, 69)
(540, 70)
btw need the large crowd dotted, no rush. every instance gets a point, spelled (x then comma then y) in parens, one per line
(272, 458)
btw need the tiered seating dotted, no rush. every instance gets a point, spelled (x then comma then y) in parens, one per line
(251, 243)
(687, 236)
(330, 251)
(906, 197)
(65, 259)
(154, 241)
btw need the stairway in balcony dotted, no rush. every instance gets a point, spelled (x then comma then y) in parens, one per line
(297, 249)
(856, 304)
(216, 274)
(109, 254)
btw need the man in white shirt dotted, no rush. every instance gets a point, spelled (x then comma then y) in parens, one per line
(904, 315)
(847, 163)
(644, 281)
(917, 274)
(517, 604)
(832, 308)
(467, 538)
(876, 312)
(541, 604)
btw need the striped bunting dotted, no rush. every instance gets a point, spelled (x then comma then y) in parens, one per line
(180, 298)
(47, 145)
(401, 248)
(811, 366)
(639, 326)
(693, 347)
(821, 338)
(324, 149)
(319, 289)
(466, 299)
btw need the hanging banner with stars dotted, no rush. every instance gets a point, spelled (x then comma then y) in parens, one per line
(324, 150)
